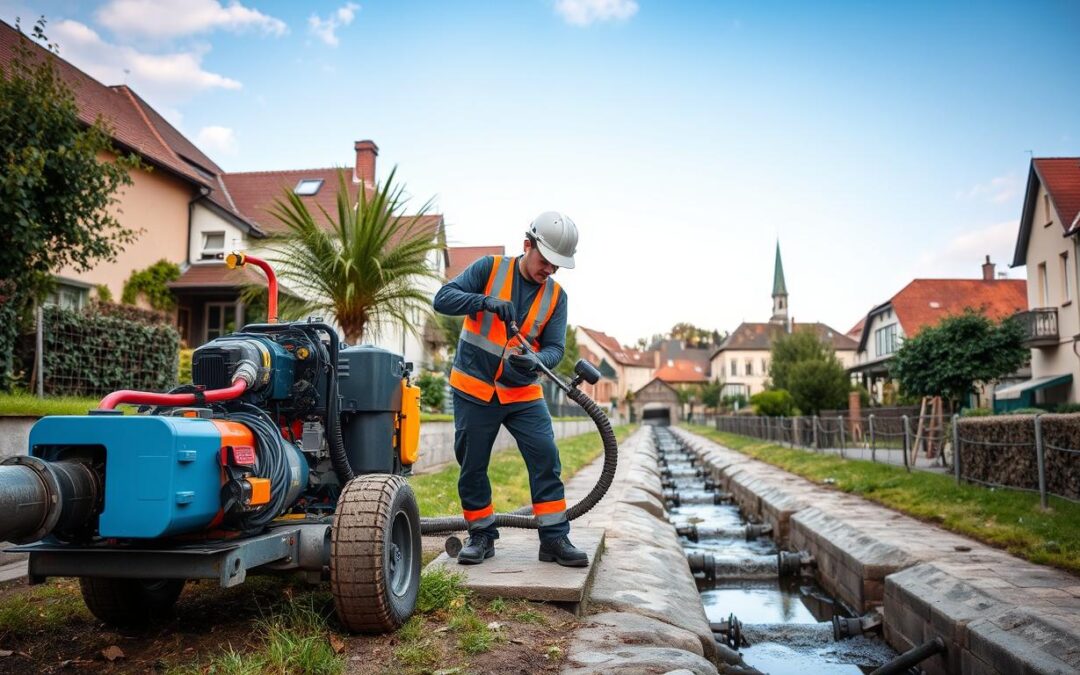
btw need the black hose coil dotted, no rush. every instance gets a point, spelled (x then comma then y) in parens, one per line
(525, 521)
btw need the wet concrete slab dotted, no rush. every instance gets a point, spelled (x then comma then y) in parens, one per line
(516, 573)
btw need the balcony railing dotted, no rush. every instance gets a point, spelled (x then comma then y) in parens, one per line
(1040, 326)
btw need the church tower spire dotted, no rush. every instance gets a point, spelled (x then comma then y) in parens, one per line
(779, 292)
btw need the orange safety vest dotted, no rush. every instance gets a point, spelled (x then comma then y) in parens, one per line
(482, 349)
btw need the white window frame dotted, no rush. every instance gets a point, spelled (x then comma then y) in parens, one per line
(208, 253)
(1044, 285)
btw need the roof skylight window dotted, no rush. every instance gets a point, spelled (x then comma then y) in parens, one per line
(308, 187)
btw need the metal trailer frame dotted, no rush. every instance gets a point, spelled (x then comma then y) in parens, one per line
(284, 546)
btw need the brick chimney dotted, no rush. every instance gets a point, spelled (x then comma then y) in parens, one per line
(988, 270)
(366, 152)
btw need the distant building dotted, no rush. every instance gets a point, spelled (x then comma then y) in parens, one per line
(741, 362)
(632, 368)
(1047, 244)
(923, 303)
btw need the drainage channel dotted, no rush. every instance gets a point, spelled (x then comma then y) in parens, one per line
(766, 611)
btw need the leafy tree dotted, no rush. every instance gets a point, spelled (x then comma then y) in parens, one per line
(710, 394)
(818, 384)
(366, 267)
(693, 335)
(731, 400)
(153, 284)
(55, 191)
(773, 403)
(789, 349)
(570, 355)
(948, 359)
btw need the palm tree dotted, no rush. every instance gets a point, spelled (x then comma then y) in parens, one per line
(364, 267)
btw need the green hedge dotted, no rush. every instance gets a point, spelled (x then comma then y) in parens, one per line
(89, 354)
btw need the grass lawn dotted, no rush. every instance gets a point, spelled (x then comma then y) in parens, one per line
(437, 492)
(1008, 519)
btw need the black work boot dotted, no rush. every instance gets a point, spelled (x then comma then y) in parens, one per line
(563, 552)
(478, 548)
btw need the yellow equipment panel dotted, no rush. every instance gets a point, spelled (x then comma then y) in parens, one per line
(409, 424)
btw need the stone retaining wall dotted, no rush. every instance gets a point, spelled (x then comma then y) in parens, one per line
(998, 614)
(645, 611)
(1001, 450)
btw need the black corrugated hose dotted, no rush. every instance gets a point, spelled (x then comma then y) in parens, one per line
(607, 475)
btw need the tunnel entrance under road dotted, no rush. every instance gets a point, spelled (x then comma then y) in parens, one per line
(657, 403)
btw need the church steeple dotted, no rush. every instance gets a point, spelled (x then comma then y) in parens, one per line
(779, 292)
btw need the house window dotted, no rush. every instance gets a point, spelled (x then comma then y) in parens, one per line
(1048, 209)
(308, 187)
(764, 366)
(1044, 287)
(749, 367)
(734, 368)
(1066, 289)
(220, 319)
(68, 296)
(885, 340)
(213, 246)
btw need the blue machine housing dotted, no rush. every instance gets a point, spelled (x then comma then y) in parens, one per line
(162, 474)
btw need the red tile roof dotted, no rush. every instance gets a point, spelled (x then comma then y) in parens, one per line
(681, 371)
(1061, 177)
(924, 302)
(217, 275)
(855, 332)
(462, 256)
(620, 354)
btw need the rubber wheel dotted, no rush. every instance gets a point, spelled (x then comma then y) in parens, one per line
(375, 554)
(130, 602)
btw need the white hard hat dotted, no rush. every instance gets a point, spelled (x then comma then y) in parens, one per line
(556, 237)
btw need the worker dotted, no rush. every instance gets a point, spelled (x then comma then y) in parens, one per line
(495, 382)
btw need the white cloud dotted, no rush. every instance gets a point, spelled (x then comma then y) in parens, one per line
(585, 12)
(998, 190)
(174, 18)
(964, 254)
(165, 80)
(215, 140)
(326, 29)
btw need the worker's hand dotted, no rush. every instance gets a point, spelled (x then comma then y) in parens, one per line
(504, 309)
(524, 363)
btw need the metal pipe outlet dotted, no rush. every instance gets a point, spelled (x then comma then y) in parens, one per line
(784, 564)
(39, 497)
(749, 532)
(686, 497)
(912, 657)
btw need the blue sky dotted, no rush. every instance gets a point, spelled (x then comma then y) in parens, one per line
(880, 142)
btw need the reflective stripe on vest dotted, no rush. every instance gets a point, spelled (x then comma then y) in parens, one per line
(482, 349)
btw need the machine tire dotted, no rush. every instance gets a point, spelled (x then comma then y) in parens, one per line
(375, 553)
(130, 602)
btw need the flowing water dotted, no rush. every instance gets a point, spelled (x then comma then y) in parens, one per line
(786, 623)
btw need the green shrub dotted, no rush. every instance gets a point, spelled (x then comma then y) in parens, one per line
(89, 354)
(432, 391)
(773, 403)
(1067, 408)
(1025, 411)
(153, 284)
(183, 374)
(976, 412)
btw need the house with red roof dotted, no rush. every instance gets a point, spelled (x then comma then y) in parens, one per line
(1047, 245)
(923, 303)
(629, 369)
(187, 210)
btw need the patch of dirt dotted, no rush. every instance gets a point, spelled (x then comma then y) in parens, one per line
(536, 645)
(209, 620)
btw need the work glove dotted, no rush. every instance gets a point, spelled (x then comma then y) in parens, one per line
(524, 363)
(504, 309)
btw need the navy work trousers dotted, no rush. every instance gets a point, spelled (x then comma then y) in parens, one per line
(475, 429)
